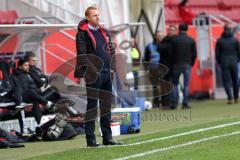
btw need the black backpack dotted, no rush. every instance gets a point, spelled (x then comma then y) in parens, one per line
(57, 129)
(8, 139)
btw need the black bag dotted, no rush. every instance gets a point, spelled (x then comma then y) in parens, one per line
(8, 139)
(57, 129)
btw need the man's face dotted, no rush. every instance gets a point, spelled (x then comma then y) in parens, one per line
(172, 31)
(158, 36)
(25, 67)
(93, 17)
(33, 61)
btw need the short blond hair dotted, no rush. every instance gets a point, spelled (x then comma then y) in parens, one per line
(88, 10)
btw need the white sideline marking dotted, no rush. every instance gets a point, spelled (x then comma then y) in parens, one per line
(184, 133)
(177, 146)
(178, 135)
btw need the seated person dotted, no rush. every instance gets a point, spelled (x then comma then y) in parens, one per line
(5, 86)
(11, 93)
(10, 89)
(30, 92)
(41, 80)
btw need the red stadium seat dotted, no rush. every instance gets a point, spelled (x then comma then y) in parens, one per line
(8, 17)
(12, 16)
(3, 16)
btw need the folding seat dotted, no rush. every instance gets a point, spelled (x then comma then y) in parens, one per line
(3, 17)
(12, 17)
(0, 17)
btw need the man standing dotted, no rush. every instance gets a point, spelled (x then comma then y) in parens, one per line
(92, 40)
(152, 57)
(183, 54)
(166, 59)
(227, 55)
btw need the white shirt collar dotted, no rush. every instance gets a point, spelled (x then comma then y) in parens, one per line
(95, 28)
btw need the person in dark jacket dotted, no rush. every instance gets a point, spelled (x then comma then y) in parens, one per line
(30, 92)
(5, 86)
(152, 56)
(183, 49)
(10, 88)
(94, 53)
(41, 80)
(166, 59)
(227, 55)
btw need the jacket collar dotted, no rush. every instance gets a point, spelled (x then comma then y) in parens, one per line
(83, 25)
(95, 28)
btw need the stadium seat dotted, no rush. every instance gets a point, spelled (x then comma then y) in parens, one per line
(12, 17)
(8, 17)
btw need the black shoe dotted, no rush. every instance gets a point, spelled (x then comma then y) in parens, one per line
(230, 101)
(93, 144)
(185, 106)
(38, 133)
(3, 145)
(111, 142)
(11, 145)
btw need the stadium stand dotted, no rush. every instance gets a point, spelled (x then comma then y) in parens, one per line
(228, 8)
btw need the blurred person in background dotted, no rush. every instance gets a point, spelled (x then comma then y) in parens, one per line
(166, 59)
(152, 56)
(227, 53)
(136, 58)
(183, 48)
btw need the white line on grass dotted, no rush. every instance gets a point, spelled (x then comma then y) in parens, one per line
(178, 135)
(177, 146)
(185, 133)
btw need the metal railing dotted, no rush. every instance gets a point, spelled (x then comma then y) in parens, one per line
(55, 56)
(44, 21)
(46, 51)
(51, 4)
(56, 20)
(61, 31)
(227, 19)
(62, 47)
(216, 19)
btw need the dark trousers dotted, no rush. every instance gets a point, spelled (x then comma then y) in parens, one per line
(32, 96)
(52, 94)
(230, 79)
(155, 74)
(100, 91)
(167, 99)
(186, 71)
(36, 112)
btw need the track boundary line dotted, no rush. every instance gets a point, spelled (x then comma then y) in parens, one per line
(185, 133)
(178, 146)
(176, 135)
